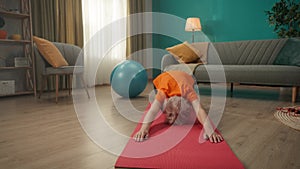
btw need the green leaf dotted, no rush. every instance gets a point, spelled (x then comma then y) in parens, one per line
(285, 17)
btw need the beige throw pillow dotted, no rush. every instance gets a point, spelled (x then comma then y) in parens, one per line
(185, 53)
(202, 47)
(50, 52)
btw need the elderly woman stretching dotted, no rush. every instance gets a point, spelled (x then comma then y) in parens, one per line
(179, 102)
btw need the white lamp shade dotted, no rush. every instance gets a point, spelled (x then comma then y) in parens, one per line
(193, 24)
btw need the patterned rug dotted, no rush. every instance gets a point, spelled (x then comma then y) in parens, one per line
(289, 116)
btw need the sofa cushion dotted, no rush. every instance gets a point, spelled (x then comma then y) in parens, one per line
(185, 53)
(249, 74)
(50, 52)
(202, 48)
(249, 52)
(65, 70)
(289, 54)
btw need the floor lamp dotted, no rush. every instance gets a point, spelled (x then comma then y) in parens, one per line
(192, 25)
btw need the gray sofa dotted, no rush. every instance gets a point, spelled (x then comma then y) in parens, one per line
(245, 62)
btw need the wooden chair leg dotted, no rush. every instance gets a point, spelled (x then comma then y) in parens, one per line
(42, 86)
(84, 85)
(70, 83)
(56, 87)
(231, 89)
(294, 94)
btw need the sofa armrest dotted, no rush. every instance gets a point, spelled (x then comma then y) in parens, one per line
(168, 60)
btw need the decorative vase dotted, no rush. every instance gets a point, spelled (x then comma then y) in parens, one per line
(3, 34)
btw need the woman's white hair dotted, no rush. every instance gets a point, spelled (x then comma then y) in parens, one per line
(185, 109)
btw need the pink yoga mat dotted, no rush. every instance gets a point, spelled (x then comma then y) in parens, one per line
(176, 147)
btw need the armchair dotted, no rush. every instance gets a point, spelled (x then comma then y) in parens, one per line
(44, 69)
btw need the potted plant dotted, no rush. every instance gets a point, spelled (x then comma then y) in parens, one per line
(3, 33)
(285, 17)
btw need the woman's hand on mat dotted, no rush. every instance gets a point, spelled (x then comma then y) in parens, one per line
(215, 138)
(141, 135)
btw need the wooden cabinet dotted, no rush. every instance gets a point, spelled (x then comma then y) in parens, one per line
(16, 50)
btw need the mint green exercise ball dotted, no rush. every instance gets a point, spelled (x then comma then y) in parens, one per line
(129, 79)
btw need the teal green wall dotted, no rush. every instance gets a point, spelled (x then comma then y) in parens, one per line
(221, 20)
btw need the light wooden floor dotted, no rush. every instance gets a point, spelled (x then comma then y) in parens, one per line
(39, 134)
